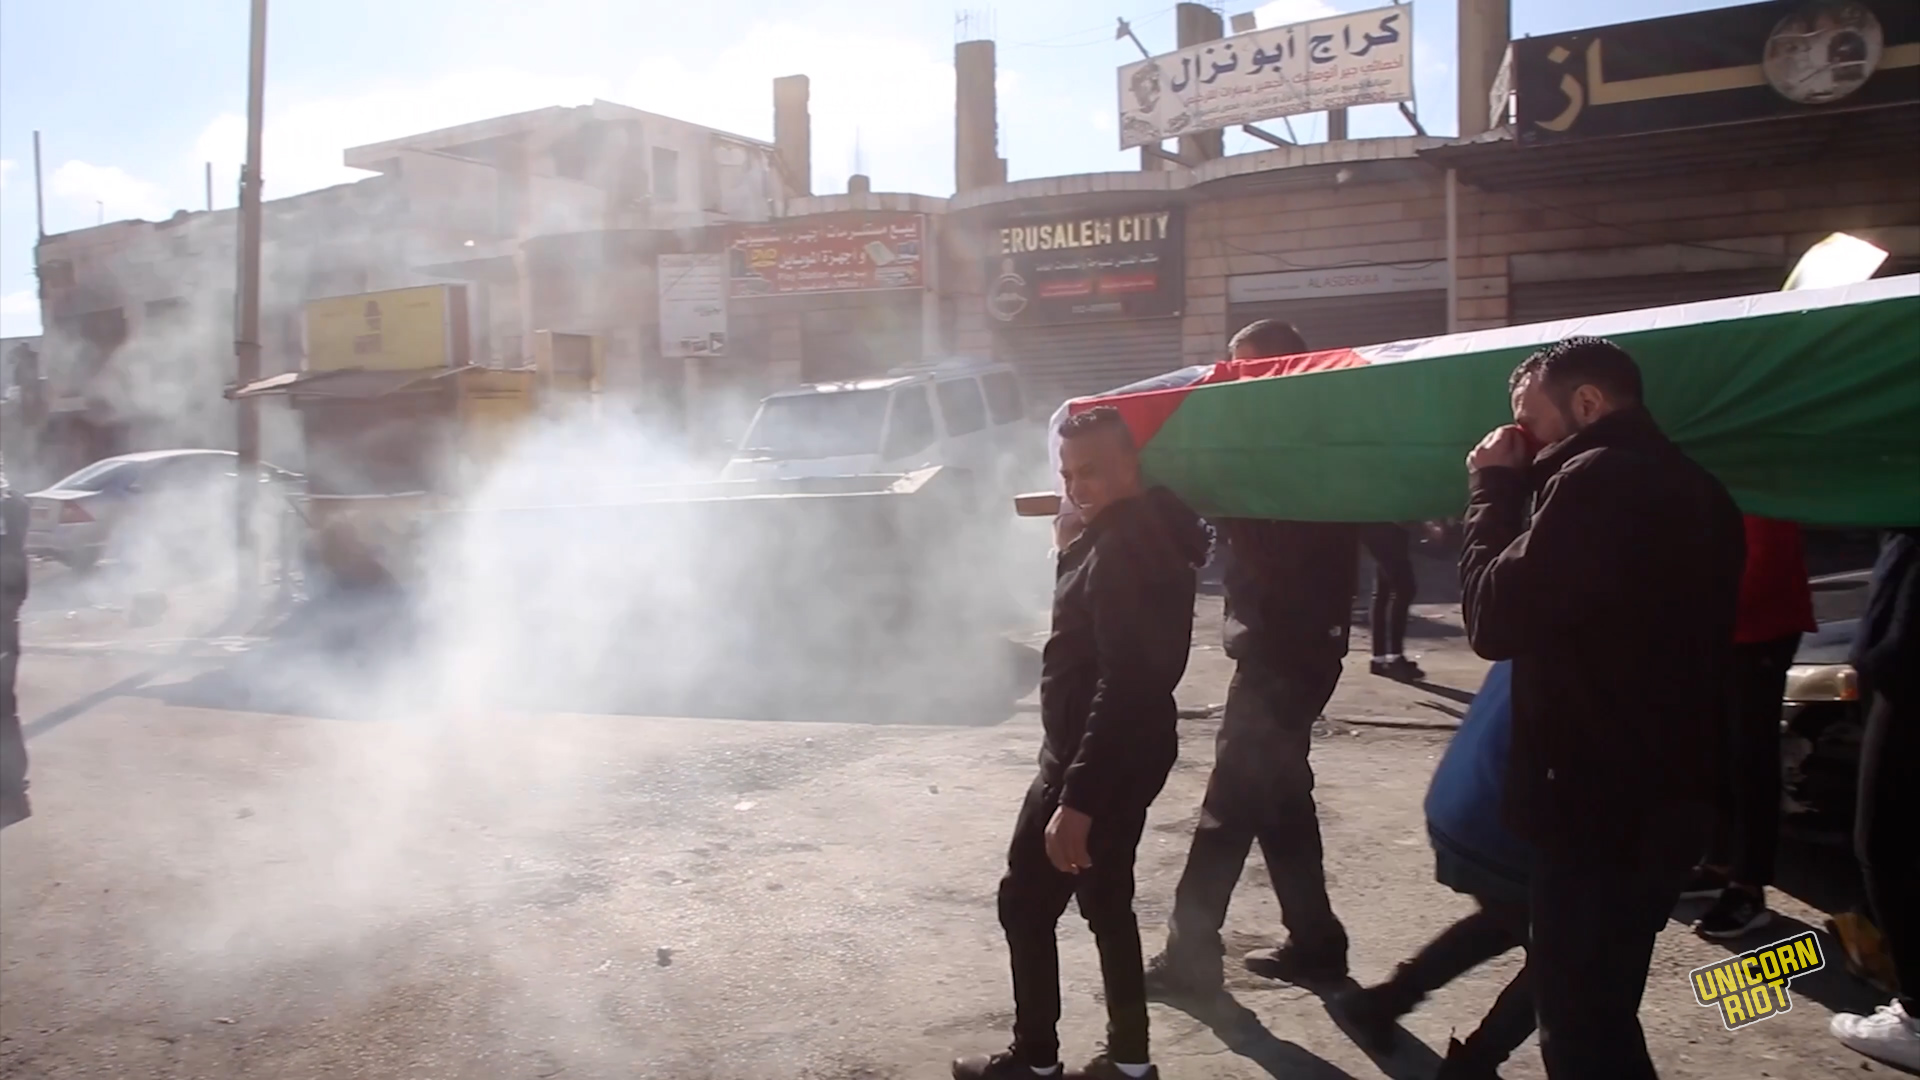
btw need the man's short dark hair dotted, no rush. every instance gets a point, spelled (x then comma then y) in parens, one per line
(1268, 337)
(1571, 363)
(1099, 419)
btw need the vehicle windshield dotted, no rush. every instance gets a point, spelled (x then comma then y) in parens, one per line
(808, 427)
(100, 476)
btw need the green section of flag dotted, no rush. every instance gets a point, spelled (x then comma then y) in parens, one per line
(1810, 416)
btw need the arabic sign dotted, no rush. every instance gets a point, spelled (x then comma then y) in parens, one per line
(1348, 281)
(693, 305)
(837, 253)
(1331, 63)
(1056, 270)
(423, 327)
(1716, 67)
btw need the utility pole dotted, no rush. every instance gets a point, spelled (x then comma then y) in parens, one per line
(246, 345)
(209, 185)
(39, 199)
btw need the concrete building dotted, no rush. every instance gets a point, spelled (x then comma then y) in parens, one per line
(138, 315)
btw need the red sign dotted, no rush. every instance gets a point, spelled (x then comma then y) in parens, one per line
(828, 253)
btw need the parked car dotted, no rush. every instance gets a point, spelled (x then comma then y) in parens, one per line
(958, 413)
(1822, 716)
(79, 520)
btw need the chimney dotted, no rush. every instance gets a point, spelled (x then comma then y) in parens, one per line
(1197, 24)
(1485, 27)
(793, 133)
(859, 184)
(976, 128)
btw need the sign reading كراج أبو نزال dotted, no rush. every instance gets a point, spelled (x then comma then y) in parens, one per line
(1337, 62)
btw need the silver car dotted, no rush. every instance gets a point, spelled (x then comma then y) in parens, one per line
(79, 520)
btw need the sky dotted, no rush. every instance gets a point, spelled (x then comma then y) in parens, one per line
(133, 97)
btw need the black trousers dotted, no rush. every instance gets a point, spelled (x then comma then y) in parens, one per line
(1883, 836)
(1261, 789)
(1746, 826)
(1499, 925)
(1595, 914)
(1391, 549)
(1033, 896)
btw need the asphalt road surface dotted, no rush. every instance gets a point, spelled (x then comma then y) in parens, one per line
(211, 891)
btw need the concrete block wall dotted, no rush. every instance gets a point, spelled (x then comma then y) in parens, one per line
(1308, 229)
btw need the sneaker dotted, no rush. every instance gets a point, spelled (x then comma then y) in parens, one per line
(1397, 668)
(1374, 1013)
(1739, 911)
(1889, 1035)
(1460, 1065)
(1705, 883)
(1102, 1068)
(1299, 964)
(1005, 1065)
(1170, 978)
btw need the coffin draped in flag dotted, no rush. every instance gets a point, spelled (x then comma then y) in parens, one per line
(1805, 404)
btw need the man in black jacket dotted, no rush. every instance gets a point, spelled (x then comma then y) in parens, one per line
(13, 592)
(1289, 587)
(1122, 627)
(1887, 656)
(1614, 598)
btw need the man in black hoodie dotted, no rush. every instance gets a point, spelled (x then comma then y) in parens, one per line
(1289, 607)
(1122, 626)
(1614, 596)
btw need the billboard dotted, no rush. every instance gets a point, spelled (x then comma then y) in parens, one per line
(1722, 66)
(1333, 63)
(829, 253)
(422, 327)
(693, 304)
(1065, 270)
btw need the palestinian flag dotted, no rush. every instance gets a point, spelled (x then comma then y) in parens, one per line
(1805, 404)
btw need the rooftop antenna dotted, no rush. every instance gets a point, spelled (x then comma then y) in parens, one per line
(975, 25)
(859, 163)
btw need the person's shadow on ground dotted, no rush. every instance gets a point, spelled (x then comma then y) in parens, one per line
(1243, 1032)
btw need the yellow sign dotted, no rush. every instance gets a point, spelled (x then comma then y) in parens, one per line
(1752, 986)
(394, 330)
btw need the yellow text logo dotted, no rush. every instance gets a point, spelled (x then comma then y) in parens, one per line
(1752, 986)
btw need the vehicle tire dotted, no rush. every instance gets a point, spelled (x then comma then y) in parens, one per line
(80, 562)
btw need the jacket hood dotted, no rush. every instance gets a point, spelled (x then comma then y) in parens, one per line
(1159, 519)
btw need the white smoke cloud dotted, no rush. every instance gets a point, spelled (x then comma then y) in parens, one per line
(6, 168)
(107, 190)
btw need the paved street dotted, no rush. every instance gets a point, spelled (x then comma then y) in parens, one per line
(206, 891)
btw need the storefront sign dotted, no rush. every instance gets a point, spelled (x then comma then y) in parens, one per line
(1331, 63)
(1116, 266)
(836, 253)
(423, 327)
(1716, 67)
(693, 304)
(1350, 281)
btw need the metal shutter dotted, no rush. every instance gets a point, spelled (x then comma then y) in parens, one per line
(865, 338)
(1340, 322)
(1061, 362)
(1545, 301)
